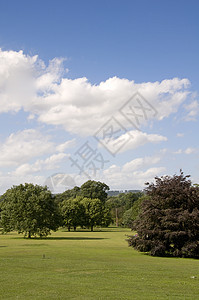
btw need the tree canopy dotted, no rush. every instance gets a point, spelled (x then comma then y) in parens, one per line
(94, 190)
(122, 203)
(95, 213)
(168, 224)
(131, 214)
(85, 212)
(73, 212)
(29, 209)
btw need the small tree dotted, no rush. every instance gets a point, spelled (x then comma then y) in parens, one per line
(168, 223)
(73, 212)
(95, 213)
(29, 209)
(131, 214)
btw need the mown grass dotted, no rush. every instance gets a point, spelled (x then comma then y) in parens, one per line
(91, 265)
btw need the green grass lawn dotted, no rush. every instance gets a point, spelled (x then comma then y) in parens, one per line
(90, 265)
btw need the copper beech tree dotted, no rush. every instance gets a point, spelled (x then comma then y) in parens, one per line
(168, 224)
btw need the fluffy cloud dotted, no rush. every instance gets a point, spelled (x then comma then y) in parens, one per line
(134, 173)
(7, 181)
(77, 105)
(23, 146)
(66, 145)
(130, 140)
(83, 108)
(23, 78)
(49, 163)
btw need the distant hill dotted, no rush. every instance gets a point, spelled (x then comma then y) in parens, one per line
(115, 193)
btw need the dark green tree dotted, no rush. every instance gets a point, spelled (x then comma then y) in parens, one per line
(121, 203)
(94, 190)
(131, 214)
(168, 223)
(117, 210)
(29, 209)
(68, 194)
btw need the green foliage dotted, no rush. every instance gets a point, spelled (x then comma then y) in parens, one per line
(29, 209)
(68, 194)
(73, 212)
(95, 213)
(120, 204)
(168, 223)
(131, 214)
(94, 190)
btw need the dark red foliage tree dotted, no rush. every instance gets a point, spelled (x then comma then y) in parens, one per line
(168, 224)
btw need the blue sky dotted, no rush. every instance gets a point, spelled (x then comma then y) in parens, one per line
(67, 67)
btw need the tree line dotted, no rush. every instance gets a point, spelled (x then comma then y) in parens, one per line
(164, 218)
(33, 210)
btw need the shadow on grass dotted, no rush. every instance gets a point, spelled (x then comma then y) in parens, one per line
(54, 238)
(95, 231)
(72, 238)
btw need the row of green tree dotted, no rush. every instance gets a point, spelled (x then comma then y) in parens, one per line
(33, 210)
(165, 218)
(123, 207)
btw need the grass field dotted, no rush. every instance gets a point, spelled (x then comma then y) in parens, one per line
(91, 265)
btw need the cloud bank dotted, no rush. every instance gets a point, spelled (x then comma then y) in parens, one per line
(75, 104)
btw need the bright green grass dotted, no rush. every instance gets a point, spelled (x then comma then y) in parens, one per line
(91, 265)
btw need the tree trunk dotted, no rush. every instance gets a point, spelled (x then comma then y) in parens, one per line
(68, 228)
(116, 217)
(91, 227)
(29, 234)
(74, 228)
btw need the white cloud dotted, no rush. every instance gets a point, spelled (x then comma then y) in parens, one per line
(66, 145)
(22, 146)
(131, 140)
(138, 163)
(190, 150)
(23, 78)
(133, 174)
(187, 151)
(179, 151)
(8, 180)
(49, 163)
(193, 110)
(75, 104)
(180, 134)
(83, 108)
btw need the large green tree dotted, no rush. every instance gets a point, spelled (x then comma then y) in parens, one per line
(29, 209)
(168, 224)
